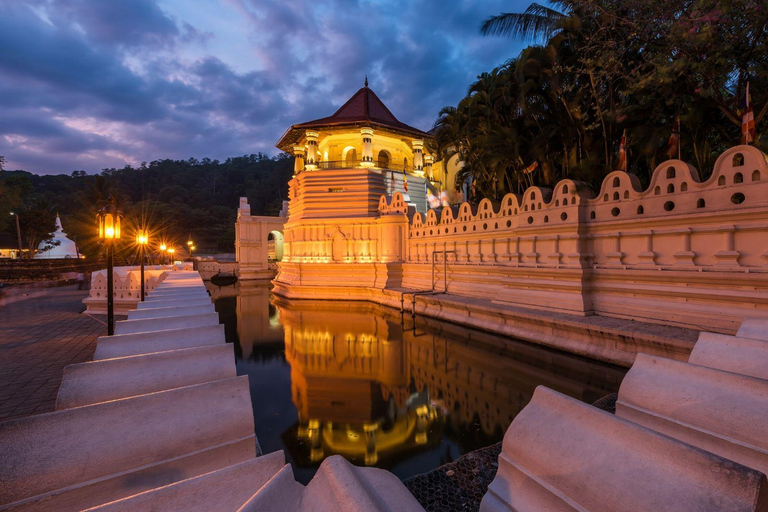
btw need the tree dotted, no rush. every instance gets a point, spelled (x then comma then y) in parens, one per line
(601, 68)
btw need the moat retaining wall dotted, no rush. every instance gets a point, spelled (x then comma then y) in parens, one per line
(680, 253)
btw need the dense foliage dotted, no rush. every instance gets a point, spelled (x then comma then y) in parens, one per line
(180, 198)
(603, 68)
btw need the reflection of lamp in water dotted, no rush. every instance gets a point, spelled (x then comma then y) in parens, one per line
(371, 456)
(315, 440)
(422, 417)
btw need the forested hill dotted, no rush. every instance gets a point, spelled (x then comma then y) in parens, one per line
(181, 197)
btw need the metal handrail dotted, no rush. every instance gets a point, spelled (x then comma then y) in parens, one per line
(355, 164)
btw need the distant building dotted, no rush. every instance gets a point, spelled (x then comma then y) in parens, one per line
(51, 250)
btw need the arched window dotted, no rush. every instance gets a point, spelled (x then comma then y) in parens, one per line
(350, 157)
(670, 173)
(616, 182)
(738, 160)
(383, 160)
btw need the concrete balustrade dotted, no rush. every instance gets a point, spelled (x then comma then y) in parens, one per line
(223, 490)
(203, 301)
(121, 345)
(112, 379)
(755, 328)
(337, 485)
(721, 412)
(560, 454)
(746, 356)
(173, 322)
(86, 456)
(177, 294)
(162, 312)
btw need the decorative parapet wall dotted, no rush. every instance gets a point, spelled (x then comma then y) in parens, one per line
(126, 282)
(677, 252)
(681, 252)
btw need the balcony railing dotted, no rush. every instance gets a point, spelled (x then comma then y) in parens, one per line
(355, 164)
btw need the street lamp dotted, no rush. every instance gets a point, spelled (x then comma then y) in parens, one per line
(18, 233)
(108, 219)
(142, 239)
(171, 250)
(162, 253)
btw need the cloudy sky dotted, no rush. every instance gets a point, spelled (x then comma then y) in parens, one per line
(90, 84)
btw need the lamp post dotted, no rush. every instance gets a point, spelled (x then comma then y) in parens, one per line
(171, 250)
(190, 248)
(108, 219)
(142, 239)
(162, 253)
(18, 233)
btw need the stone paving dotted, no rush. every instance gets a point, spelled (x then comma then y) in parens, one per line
(39, 335)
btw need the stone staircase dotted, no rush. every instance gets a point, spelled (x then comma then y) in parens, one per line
(159, 420)
(686, 437)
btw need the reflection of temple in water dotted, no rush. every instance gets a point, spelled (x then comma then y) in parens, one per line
(342, 364)
(367, 387)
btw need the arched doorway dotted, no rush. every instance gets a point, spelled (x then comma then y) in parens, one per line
(349, 157)
(274, 246)
(383, 159)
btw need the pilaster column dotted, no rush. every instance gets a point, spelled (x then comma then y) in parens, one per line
(312, 156)
(428, 159)
(298, 162)
(418, 157)
(367, 159)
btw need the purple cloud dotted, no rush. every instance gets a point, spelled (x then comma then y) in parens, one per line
(87, 85)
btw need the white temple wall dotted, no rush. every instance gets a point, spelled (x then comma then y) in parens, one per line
(680, 252)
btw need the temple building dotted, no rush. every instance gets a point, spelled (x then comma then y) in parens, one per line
(58, 247)
(380, 154)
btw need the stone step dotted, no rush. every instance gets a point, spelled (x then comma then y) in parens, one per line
(167, 311)
(122, 345)
(721, 412)
(561, 454)
(746, 356)
(181, 285)
(112, 379)
(337, 485)
(174, 303)
(755, 328)
(158, 324)
(224, 490)
(176, 294)
(86, 456)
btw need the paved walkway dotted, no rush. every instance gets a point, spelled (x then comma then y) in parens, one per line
(39, 336)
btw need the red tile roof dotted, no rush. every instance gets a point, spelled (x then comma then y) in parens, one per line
(363, 108)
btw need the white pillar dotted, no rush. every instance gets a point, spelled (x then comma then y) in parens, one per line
(298, 162)
(367, 159)
(312, 156)
(418, 157)
(428, 167)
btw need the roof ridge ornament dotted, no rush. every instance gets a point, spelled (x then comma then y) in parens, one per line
(366, 80)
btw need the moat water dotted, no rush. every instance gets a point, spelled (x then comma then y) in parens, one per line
(381, 388)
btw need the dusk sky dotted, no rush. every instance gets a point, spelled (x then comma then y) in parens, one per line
(89, 84)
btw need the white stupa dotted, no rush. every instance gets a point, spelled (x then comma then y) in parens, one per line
(65, 249)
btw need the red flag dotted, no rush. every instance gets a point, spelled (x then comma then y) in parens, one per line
(747, 119)
(673, 145)
(622, 166)
(531, 168)
(405, 181)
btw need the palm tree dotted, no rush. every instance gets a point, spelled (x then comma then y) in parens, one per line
(536, 22)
